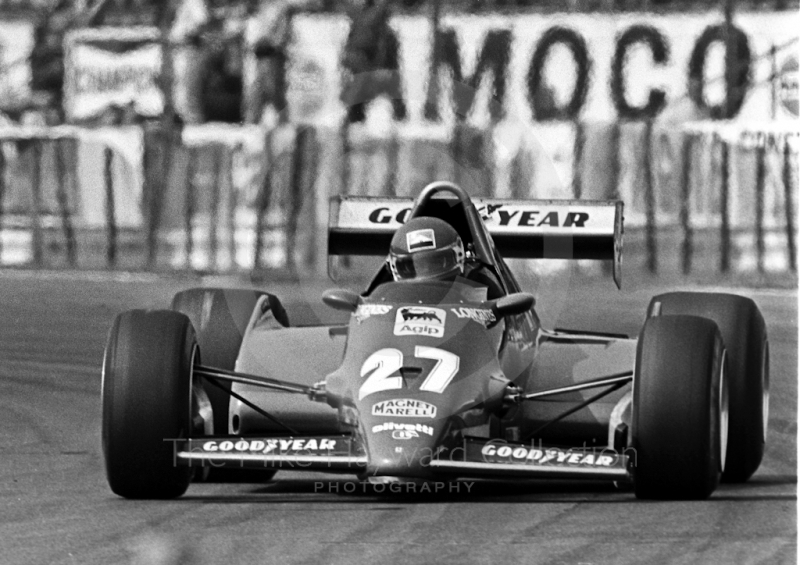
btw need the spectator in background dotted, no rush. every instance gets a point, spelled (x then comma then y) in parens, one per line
(268, 34)
(47, 55)
(222, 79)
(191, 19)
(371, 61)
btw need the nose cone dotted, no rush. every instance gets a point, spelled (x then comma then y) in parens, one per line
(401, 448)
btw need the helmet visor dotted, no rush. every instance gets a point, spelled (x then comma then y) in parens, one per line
(426, 265)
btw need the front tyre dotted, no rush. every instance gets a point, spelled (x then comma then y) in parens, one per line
(147, 403)
(744, 333)
(680, 407)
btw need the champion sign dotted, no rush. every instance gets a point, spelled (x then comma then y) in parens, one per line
(420, 321)
(404, 408)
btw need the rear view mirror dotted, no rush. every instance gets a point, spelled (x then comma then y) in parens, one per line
(341, 299)
(513, 304)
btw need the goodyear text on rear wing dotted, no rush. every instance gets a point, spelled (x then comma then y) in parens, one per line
(520, 229)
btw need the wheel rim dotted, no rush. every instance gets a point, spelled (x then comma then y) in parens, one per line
(200, 412)
(765, 389)
(724, 405)
(193, 357)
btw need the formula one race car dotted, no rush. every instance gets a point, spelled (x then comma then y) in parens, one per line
(440, 379)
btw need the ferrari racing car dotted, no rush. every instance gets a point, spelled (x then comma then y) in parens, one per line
(439, 378)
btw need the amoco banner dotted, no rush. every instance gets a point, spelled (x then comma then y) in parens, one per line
(546, 67)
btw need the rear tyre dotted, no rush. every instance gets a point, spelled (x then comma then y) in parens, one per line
(679, 428)
(147, 402)
(744, 333)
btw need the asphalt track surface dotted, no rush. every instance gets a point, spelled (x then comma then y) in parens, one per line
(55, 506)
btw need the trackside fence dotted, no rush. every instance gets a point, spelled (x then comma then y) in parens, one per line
(705, 196)
(86, 199)
(724, 193)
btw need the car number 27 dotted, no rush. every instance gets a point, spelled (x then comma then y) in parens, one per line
(381, 365)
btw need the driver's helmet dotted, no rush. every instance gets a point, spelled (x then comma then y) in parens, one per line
(426, 248)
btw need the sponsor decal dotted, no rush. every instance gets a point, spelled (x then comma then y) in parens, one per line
(112, 67)
(403, 431)
(404, 408)
(420, 314)
(508, 216)
(502, 215)
(365, 311)
(487, 210)
(647, 64)
(420, 240)
(504, 453)
(420, 321)
(271, 446)
(384, 215)
(481, 315)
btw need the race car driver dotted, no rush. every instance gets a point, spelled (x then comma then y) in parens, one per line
(427, 248)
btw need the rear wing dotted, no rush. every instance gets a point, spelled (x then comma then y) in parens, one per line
(520, 229)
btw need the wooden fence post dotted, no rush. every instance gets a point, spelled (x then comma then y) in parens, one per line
(788, 187)
(230, 209)
(724, 226)
(577, 160)
(687, 144)
(760, 188)
(63, 198)
(36, 203)
(213, 211)
(111, 220)
(650, 199)
(344, 134)
(392, 159)
(189, 204)
(2, 193)
(263, 199)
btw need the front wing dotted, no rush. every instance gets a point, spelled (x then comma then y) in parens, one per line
(474, 457)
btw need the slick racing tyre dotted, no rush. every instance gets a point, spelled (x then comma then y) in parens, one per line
(680, 406)
(220, 317)
(147, 401)
(745, 336)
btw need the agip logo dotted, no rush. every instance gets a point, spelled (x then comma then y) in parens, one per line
(420, 321)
